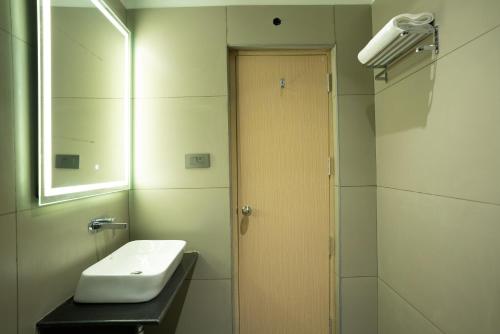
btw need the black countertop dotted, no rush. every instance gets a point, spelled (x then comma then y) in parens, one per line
(71, 314)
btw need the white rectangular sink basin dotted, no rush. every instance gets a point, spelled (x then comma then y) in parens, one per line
(134, 273)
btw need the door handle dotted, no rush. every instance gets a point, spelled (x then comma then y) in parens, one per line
(246, 210)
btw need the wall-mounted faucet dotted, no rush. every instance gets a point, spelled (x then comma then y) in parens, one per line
(98, 224)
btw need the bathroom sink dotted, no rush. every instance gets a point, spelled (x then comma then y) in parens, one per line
(134, 273)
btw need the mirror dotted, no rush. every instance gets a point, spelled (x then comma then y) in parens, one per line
(84, 100)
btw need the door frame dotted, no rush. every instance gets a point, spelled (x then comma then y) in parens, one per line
(233, 158)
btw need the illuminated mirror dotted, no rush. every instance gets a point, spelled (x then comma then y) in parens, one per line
(84, 100)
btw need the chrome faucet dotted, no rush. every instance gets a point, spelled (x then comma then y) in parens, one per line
(98, 224)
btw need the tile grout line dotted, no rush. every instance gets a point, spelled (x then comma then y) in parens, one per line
(178, 97)
(208, 279)
(436, 60)
(411, 305)
(440, 195)
(7, 213)
(357, 186)
(193, 188)
(360, 94)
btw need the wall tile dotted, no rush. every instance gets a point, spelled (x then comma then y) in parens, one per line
(7, 162)
(8, 274)
(180, 51)
(199, 216)
(24, 20)
(204, 308)
(358, 305)
(353, 31)
(167, 129)
(358, 231)
(118, 8)
(396, 316)
(5, 19)
(252, 26)
(25, 109)
(450, 16)
(356, 137)
(437, 131)
(54, 248)
(441, 254)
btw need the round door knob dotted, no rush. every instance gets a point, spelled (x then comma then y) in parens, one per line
(246, 210)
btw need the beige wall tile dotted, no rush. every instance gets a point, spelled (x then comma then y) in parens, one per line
(358, 231)
(54, 247)
(358, 305)
(25, 109)
(8, 274)
(356, 137)
(180, 51)
(206, 309)
(480, 16)
(353, 31)
(252, 26)
(7, 162)
(24, 20)
(396, 316)
(5, 19)
(437, 131)
(199, 216)
(118, 9)
(167, 129)
(440, 254)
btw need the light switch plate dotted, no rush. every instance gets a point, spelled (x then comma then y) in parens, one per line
(197, 160)
(67, 161)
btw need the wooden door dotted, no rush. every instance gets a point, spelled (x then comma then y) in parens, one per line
(283, 175)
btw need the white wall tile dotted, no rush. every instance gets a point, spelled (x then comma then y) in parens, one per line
(358, 231)
(167, 129)
(7, 161)
(25, 108)
(5, 19)
(179, 51)
(481, 16)
(54, 247)
(441, 254)
(206, 309)
(356, 137)
(396, 316)
(8, 274)
(437, 131)
(358, 305)
(199, 216)
(252, 26)
(353, 31)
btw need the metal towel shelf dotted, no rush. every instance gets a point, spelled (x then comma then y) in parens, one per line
(402, 46)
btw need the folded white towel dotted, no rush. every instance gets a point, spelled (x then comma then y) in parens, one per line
(390, 31)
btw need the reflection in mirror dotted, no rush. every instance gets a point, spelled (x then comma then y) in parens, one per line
(84, 100)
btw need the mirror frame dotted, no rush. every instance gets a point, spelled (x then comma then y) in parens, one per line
(46, 193)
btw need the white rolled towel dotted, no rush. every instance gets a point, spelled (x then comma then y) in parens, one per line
(390, 31)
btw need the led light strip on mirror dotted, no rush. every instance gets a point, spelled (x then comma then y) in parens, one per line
(46, 192)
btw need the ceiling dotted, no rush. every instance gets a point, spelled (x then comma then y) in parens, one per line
(199, 3)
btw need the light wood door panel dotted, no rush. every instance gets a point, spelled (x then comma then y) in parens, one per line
(282, 144)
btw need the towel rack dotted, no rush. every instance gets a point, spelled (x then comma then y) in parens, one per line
(402, 46)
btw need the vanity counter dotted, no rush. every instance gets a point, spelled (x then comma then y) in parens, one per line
(117, 318)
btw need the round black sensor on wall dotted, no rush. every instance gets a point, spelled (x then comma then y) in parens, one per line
(276, 21)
